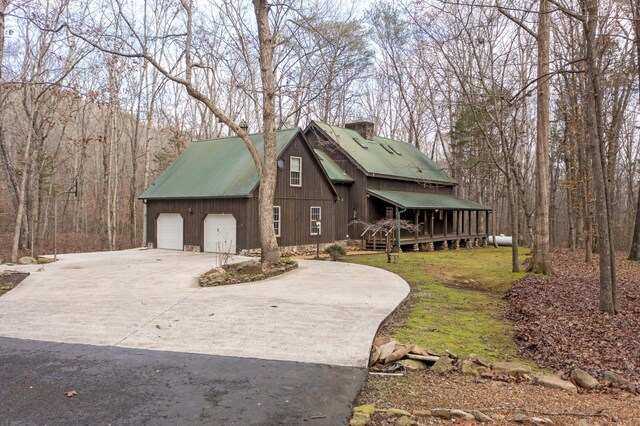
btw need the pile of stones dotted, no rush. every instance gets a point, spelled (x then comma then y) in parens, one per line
(390, 357)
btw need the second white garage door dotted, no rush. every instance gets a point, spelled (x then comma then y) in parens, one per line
(220, 233)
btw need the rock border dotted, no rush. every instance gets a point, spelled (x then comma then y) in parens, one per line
(243, 272)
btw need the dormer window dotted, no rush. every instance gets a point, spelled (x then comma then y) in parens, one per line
(295, 171)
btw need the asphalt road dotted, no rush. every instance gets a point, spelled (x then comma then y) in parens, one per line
(122, 386)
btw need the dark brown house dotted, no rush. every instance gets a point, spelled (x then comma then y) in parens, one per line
(392, 179)
(208, 198)
(327, 176)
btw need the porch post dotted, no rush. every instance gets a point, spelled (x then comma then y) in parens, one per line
(477, 222)
(397, 236)
(432, 222)
(425, 222)
(486, 223)
(446, 222)
(456, 222)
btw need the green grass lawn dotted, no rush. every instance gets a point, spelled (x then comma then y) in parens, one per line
(457, 299)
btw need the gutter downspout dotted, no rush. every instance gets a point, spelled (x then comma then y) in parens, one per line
(398, 217)
(146, 223)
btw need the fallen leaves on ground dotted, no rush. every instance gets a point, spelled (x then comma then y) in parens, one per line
(424, 390)
(559, 324)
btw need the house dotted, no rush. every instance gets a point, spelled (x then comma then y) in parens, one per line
(391, 179)
(328, 176)
(208, 198)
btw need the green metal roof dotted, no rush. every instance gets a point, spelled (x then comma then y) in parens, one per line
(335, 172)
(417, 200)
(382, 156)
(214, 168)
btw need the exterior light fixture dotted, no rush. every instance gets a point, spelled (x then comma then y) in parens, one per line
(190, 211)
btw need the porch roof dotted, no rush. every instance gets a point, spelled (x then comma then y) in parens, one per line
(418, 200)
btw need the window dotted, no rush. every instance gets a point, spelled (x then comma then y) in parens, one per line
(276, 220)
(389, 213)
(295, 170)
(315, 218)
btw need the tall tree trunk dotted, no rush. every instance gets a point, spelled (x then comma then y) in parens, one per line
(22, 194)
(634, 253)
(596, 140)
(147, 150)
(540, 259)
(268, 242)
(5, 161)
(512, 199)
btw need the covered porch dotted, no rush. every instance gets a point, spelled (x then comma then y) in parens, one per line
(445, 221)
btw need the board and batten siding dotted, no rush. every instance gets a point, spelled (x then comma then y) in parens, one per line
(356, 193)
(194, 220)
(296, 202)
(409, 186)
(343, 214)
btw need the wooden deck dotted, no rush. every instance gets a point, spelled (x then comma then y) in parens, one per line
(379, 243)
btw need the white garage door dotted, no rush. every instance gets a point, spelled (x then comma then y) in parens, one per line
(170, 231)
(220, 233)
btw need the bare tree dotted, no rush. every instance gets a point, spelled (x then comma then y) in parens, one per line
(38, 80)
(634, 253)
(589, 9)
(267, 42)
(540, 256)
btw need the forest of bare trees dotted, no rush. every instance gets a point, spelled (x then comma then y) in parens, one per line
(105, 94)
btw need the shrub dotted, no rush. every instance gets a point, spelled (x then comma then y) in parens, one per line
(335, 251)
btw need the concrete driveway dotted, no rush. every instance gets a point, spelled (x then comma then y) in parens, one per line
(323, 312)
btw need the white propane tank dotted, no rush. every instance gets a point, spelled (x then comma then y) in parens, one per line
(501, 239)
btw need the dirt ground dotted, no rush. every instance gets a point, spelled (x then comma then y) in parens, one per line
(424, 390)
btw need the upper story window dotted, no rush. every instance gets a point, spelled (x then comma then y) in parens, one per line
(295, 171)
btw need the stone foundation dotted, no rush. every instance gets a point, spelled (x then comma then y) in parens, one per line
(305, 249)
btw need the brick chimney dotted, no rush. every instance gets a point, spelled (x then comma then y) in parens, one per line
(365, 128)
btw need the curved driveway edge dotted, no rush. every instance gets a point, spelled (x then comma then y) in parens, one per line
(323, 312)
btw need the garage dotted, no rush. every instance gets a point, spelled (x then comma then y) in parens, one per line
(170, 231)
(220, 233)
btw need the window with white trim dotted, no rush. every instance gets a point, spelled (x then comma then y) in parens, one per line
(315, 218)
(276, 220)
(295, 171)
